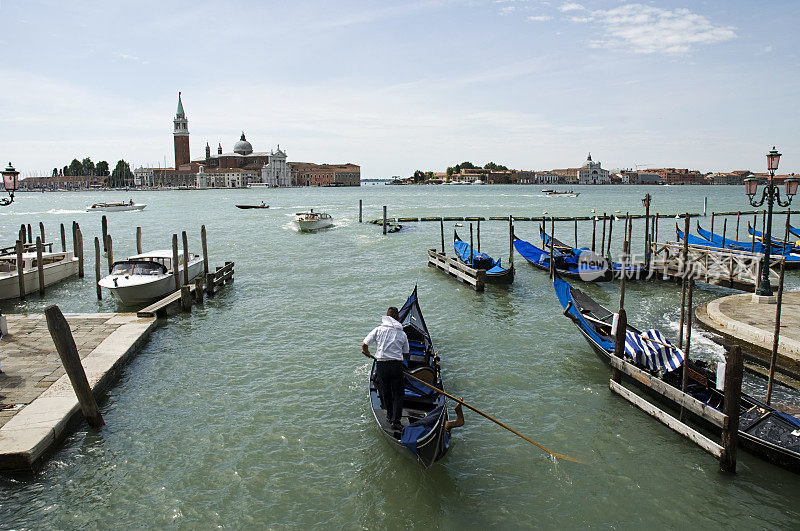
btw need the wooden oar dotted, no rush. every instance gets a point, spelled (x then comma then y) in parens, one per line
(481, 413)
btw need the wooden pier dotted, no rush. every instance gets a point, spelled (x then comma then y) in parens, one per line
(474, 277)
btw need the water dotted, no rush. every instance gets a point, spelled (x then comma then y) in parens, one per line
(252, 412)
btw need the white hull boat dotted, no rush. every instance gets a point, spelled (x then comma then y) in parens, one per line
(115, 207)
(311, 221)
(57, 267)
(144, 278)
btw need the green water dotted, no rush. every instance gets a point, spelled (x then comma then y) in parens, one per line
(252, 412)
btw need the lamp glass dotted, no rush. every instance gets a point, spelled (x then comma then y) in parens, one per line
(791, 186)
(773, 158)
(751, 186)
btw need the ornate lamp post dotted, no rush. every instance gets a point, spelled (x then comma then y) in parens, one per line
(770, 194)
(10, 183)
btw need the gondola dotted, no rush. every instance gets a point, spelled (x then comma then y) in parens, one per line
(791, 246)
(715, 240)
(763, 430)
(795, 231)
(495, 272)
(616, 268)
(565, 265)
(424, 411)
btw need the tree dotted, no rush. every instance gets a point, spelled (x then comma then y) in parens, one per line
(88, 166)
(65, 171)
(419, 176)
(492, 166)
(101, 168)
(55, 172)
(121, 174)
(75, 167)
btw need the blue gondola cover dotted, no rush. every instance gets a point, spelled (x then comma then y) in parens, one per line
(654, 356)
(414, 432)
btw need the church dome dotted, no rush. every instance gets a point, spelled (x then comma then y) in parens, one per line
(243, 147)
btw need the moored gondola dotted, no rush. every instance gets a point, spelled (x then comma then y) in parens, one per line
(763, 430)
(633, 270)
(424, 416)
(495, 272)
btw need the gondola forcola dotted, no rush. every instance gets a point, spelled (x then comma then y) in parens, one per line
(763, 430)
(495, 272)
(424, 414)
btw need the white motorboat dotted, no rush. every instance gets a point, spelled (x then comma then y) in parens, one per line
(57, 266)
(568, 193)
(115, 207)
(144, 278)
(478, 181)
(311, 221)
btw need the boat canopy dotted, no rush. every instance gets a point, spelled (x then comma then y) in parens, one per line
(652, 350)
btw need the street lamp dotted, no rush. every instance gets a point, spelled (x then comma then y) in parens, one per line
(10, 184)
(770, 194)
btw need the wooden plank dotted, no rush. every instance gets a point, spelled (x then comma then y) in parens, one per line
(697, 407)
(172, 298)
(668, 420)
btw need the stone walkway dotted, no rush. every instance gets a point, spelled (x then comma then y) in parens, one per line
(752, 326)
(29, 360)
(36, 396)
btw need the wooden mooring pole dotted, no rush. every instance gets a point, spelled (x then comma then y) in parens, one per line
(737, 225)
(685, 275)
(576, 233)
(777, 334)
(39, 264)
(622, 317)
(204, 244)
(41, 231)
(441, 228)
(138, 240)
(30, 234)
(471, 248)
(360, 207)
(603, 243)
(104, 228)
(384, 219)
(185, 257)
(733, 395)
(610, 231)
(20, 268)
(97, 268)
(80, 252)
(68, 352)
(22, 236)
(712, 222)
(647, 199)
(63, 240)
(176, 270)
(186, 298)
(687, 346)
(511, 241)
(109, 252)
(594, 231)
(479, 235)
(753, 237)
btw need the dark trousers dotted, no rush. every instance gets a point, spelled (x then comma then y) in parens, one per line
(389, 375)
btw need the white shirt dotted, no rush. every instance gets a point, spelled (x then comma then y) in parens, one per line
(392, 341)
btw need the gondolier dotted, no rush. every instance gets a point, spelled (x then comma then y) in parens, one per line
(392, 349)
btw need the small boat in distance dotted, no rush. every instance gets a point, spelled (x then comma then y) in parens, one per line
(424, 416)
(311, 221)
(143, 278)
(565, 193)
(57, 267)
(115, 207)
(262, 205)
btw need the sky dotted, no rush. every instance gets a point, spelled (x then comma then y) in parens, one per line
(397, 86)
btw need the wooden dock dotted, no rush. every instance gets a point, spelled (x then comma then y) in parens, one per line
(191, 292)
(474, 277)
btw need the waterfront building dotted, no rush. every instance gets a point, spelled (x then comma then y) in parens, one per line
(310, 174)
(638, 177)
(277, 172)
(592, 173)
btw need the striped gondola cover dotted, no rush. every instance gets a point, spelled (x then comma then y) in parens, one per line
(653, 356)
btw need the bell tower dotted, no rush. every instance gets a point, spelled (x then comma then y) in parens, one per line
(180, 133)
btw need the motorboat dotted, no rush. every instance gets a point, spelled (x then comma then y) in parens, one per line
(115, 207)
(245, 207)
(568, 193)
(143, 278)
(478, 181)
(311, 221)
(57, 266)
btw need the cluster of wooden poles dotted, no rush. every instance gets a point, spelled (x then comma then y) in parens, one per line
(26, 242)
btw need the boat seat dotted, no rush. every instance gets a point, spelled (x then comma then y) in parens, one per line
(414, 390)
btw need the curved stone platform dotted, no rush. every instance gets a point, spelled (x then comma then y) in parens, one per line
(752, 325)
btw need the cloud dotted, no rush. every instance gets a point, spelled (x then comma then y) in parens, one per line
(540, 18)
(132, 58)
(644, 29)
(571, 7)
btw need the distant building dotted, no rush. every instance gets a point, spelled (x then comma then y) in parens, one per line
(676, 176)
(311, 174)
(590, 173)
(276, 172)
(638, 177)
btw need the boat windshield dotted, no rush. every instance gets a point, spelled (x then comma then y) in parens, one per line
(138, 268)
